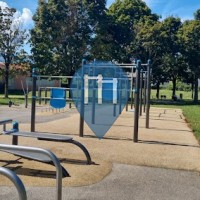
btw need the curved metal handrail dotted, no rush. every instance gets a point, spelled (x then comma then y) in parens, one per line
(17, 182)
(47, 153)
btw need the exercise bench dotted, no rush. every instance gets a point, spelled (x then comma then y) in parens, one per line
(15, 133)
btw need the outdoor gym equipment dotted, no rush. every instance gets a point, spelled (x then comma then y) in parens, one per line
(58, 98)
(16, 180)
(33, 153)
(101, 94)
(92, 74)
(137, 94)
(61, 94)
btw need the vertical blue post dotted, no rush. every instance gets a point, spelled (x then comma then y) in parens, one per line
(82, 109)
(16, 129)
(137, 90)
(148, 92)
(34, 82)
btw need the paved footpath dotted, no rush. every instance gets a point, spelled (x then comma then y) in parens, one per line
(125, 182)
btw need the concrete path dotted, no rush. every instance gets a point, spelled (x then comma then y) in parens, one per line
(125, 182)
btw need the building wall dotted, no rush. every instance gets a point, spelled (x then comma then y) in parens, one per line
(20, 82)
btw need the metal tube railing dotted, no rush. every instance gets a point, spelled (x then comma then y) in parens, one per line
(44, 152)
(17, 182)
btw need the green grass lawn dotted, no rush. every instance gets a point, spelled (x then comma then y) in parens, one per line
(168, 93)
(192, 114)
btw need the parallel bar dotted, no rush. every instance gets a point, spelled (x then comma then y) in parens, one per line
(4, 122)
(49, 76)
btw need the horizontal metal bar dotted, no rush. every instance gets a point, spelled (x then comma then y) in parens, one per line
(6, 121)
(46, 76)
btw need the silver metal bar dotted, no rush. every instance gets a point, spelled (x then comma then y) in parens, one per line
(46, 76)
(4, 122)
(17, 182)
(44, 152)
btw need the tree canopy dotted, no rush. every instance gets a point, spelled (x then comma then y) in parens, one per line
(63, 33)
(12, 38)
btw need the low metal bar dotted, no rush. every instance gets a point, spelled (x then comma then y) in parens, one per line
(4, 122)
(48, 153)
(48, 76)
(16, 180)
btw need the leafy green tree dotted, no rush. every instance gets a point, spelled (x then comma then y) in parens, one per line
(172, 59)
(175, 68)
(158, 41)
(63, 33)
(149, 44)
(116, 41)
(12, 38)
(189, 38)
(197, 15)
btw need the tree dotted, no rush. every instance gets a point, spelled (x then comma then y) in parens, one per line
(189, 38)
(116, 40)
(172, 59)
(63, 33)
(148, 44)
(197, 15)
(175, 68)
(12, 38)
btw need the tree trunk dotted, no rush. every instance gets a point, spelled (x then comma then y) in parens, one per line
(192, 89)
(196, 90)
(6, 79)
(158, 90)
(174, 87)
